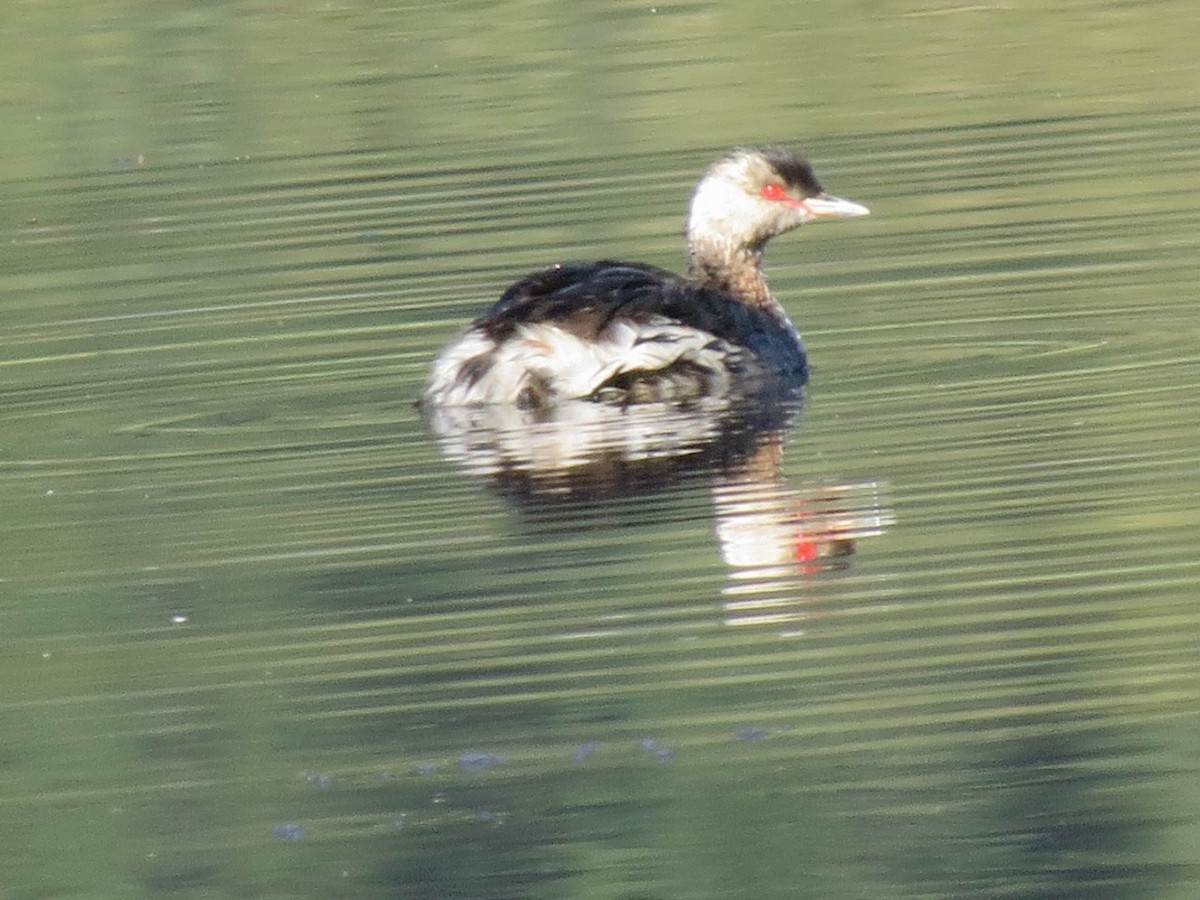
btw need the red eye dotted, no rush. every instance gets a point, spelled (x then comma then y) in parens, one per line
(773, 191)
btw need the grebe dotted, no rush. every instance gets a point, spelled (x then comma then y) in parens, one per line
(629, 332)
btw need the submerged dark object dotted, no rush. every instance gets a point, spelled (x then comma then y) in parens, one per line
(289, 831)
(480, 760)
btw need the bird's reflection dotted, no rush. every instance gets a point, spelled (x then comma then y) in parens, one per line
(774, 536)
(771, 534)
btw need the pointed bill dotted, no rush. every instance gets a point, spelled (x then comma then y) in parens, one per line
(827, 207)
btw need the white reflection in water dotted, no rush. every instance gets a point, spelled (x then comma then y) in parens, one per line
(771, 535)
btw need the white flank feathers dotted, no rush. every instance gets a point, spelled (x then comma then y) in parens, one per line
(571, 367)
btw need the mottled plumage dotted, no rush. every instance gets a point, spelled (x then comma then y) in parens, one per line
(630, 332)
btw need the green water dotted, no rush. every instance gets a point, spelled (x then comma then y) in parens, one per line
(263, 634)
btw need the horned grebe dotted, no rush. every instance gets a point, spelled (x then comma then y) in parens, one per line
(630, 332)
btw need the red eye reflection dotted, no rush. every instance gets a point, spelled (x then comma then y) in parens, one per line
(773, 191)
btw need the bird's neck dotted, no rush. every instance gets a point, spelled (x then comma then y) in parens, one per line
(737, 270)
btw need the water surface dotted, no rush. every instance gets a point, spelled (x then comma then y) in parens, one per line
(265, 630)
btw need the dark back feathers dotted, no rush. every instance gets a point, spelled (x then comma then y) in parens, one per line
(583, 298)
